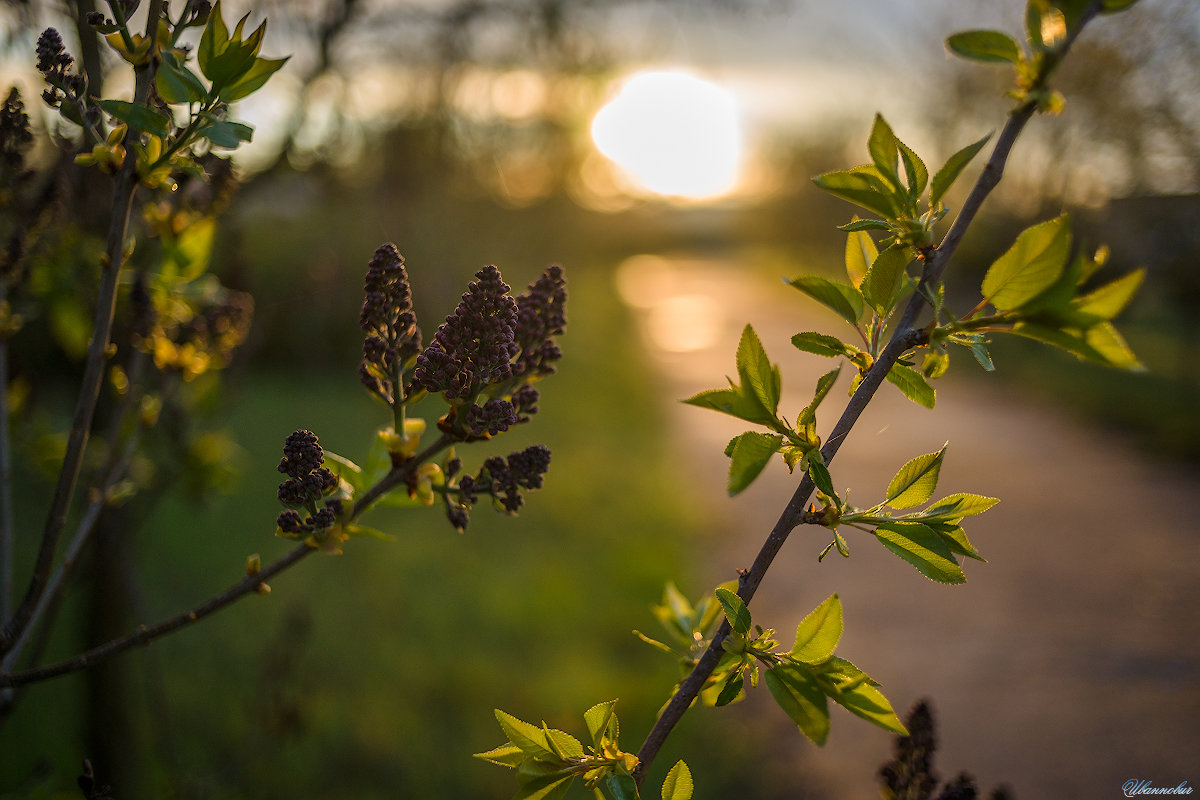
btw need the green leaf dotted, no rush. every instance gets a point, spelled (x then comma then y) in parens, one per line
(884, 280)
(597, 719)
(840, 297)
(731, 689)
(818, 634)
(821, 478)
(992, 46)
(530, 738)
(824, 384)
(750, 453)
(618, 787)
(735, 611)
(234, 63)
(506, 755)
(916, 481)
(1031, 265)
(176, 83)
(367, 532)
(545, 787)
(346, 470)
(1111, 299)
(213, 41)
(954, 507)
(226, 134)
(862, 186)
(956, 539)
(822, 345)
(923, 548)
(1108, 342)
(140, 118)
(678, 785)
(757, 372)
(882, 146)
(915, 171)
(1101, 343)
(913, 384)
(865, 701)
(949, 172)
(253, 79)
(799, 695)
(864, 225)
(564, 745)
(861, 252)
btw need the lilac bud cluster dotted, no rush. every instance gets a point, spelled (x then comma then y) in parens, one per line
(500, 478)
(308, 482)
(540, 317)
(15, 136)
(54, 62)
(495, 416)
(475, 345)
(387, 318)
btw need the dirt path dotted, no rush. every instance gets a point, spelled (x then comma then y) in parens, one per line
(1066, 666)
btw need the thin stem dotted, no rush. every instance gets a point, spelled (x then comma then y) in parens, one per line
(93, 375)
(146, 634)
(7, 522)
(904, 336)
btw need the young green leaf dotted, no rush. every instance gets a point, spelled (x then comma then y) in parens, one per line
(213, 41)
(506, 755)
(678, 785)
(822, 345)
(916, 481)
(138, 117)
(862, 186)
(861, 252)
(992, 46)
(915, 171)
(881, 144)
(883, 282)
(564, 745)
(945, 177)
(757, 372)
(735, 611)
(864, 225)
(1031, 265)
(253, 79)
(530, 738)
(821, 478)
(799, 695)
(824, 384)
(731, 690)
(749, 452)
(597, 719)
(954, 507)
(842, 298)
(864, 700)
(913, 384)
(1108, 342)
(1110, 299)
(552, 786)
(920, 546)
(617, 786)
(955, 538)
(226, 133)
(176, 83)
(819, 632)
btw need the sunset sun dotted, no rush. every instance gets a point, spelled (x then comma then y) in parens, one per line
(672, 134)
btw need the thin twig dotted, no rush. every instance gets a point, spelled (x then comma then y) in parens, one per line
(7, 522)
(146, 634)
(904, 337)
(124, 187)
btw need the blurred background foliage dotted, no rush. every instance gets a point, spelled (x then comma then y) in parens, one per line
(459, 130)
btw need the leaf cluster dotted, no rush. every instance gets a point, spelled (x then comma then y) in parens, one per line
(547, 761)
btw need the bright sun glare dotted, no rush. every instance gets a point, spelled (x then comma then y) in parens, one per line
(673, 133)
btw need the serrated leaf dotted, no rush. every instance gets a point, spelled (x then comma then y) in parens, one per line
(954, 507)
(842, 298)
(824, 384)
(545, 787)
(862, 186)
(757, 372)
(563, 744)
(1110, 299)
(1031, 265)
(881, 144)
(137, 117)
(945, 177)
(730, 690)
(734, 403)
(913, 384)
(735, 611)
(821, 478)
(923, 548)
(618, 787)
(1084, 345)
(821, 344)
(885, 278)
(597, 719)
(861, 252)
(916, 481)
(506, 755)
(993, 46)
(956, 539)
(819, 632)
(750, 452)
(530, 738)
(801, 698)
(678, 784)
(915, 171)
(865, 701)
(864, 225)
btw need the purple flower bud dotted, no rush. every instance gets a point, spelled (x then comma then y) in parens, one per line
(389, 322)
(540, 317)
